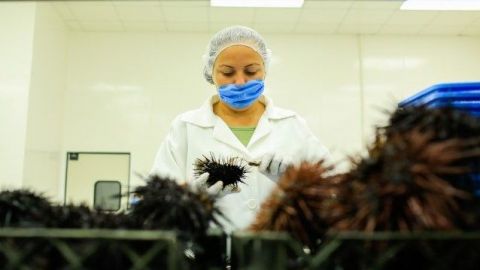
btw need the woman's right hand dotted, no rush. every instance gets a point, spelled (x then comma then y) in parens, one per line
(217, 189)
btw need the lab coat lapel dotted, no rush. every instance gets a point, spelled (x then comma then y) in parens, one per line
(263, 129)
(264, 126)
(222, 133)
(266, 123)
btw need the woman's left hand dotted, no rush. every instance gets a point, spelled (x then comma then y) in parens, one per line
(274, 164)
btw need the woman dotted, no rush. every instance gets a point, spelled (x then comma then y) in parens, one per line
(238, 121)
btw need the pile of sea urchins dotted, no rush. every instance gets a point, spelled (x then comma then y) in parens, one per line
(418, 175)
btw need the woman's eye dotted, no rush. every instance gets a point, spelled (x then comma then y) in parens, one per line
(250, 73)
(227, 74)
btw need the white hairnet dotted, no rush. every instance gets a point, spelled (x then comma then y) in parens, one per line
(230, 36)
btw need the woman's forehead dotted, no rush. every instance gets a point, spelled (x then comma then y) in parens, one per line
(239, 55)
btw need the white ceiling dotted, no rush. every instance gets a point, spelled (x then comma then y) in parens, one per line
(316, 16)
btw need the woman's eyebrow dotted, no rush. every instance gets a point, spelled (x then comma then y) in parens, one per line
(250, 65)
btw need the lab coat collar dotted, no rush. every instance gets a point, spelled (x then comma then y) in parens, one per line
(204, 116)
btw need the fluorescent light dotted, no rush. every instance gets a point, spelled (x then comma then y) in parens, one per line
(441, 5)
(257, 3)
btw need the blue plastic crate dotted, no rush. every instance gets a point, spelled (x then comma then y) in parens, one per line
(475, 113)
(446, 94)
(470, 107)
(466, 105)
(476, 180)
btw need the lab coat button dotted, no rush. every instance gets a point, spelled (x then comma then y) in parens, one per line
(252, 204)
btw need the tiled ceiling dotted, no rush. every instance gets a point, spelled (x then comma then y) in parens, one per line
(315, 17)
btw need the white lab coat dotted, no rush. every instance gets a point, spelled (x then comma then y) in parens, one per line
(200, 132)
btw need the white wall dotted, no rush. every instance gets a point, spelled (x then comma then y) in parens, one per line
(43, 156)
(123, 89)
(16, 36)
(397, 67)
(318, 77)
(119, 91)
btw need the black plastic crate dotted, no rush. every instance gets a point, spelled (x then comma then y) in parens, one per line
(105, 249)
(355, 250)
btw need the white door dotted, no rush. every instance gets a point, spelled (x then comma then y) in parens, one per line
(99, 180)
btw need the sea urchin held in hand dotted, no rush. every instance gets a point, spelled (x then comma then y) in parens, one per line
(231, 171)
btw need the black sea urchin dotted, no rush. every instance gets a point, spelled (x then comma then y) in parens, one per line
(166, 205)
(231, 171)
(24, 208)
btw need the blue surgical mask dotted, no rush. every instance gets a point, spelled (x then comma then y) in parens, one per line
(241, 96)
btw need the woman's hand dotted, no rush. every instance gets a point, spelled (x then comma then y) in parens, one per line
(274, 164)
(216, 189)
